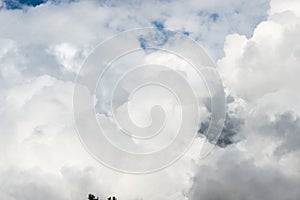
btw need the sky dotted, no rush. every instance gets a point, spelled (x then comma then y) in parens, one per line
(255, 45)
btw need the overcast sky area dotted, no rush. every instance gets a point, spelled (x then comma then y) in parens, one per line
(255, 45)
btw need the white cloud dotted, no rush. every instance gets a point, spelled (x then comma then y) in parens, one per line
(262, 71)
(278, 6)
(41, 48)
(266, 62)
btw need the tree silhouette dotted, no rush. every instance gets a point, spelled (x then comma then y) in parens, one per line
(92, 197)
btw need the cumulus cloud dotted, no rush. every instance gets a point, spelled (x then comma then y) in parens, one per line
(232, 175)
(262, 72)
(43, 46)
(265, 63)
(233, 122)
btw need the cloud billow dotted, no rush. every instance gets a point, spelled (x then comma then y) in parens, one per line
(42, 46)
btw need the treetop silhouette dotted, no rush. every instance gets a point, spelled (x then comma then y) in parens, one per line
(92, 197)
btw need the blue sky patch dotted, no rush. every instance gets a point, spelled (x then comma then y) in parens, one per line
(214, 16)
(158, 25)
(19, 4)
